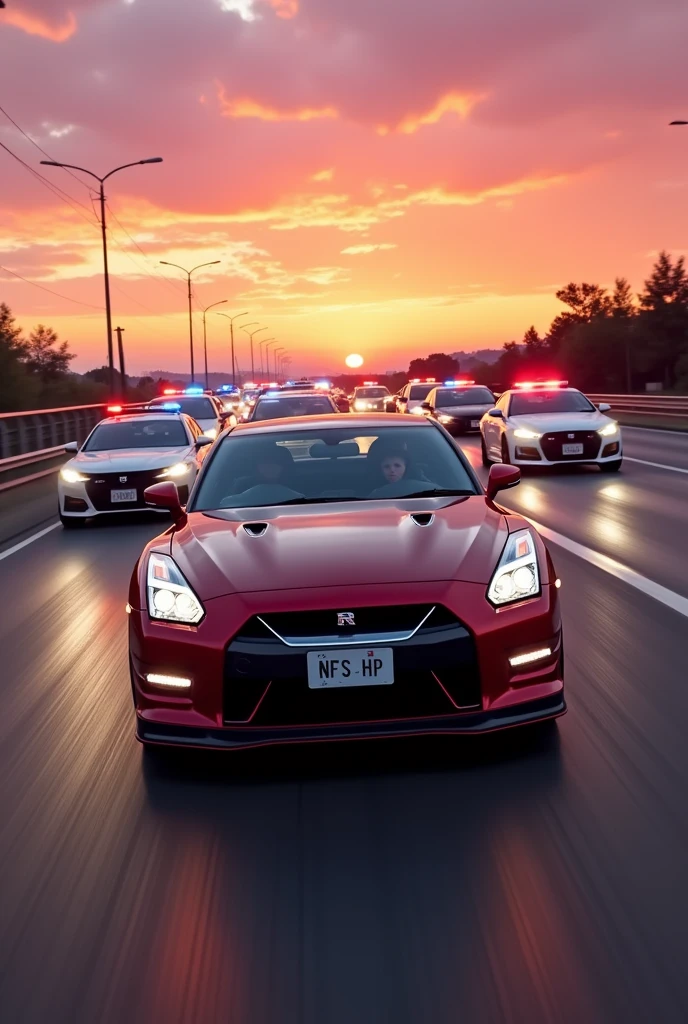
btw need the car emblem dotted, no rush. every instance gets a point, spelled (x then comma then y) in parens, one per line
(345, 619)
(571, 436)
(123, 479)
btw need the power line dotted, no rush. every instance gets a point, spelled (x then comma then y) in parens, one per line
(50, 290)
(158, 277)
(55, 189)
(41, 150)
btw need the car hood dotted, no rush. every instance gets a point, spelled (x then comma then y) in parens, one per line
(546, 422)
(127, 460)
(464, 410)
(339, 545)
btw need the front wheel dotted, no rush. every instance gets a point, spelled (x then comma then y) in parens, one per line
(483, 452)
(611, 467)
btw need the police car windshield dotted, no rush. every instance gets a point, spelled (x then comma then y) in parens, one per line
(420, 391)
(149, 433)
(291, 405)
(308, 465)
(199, 408)
(371, 392)
(525, 403)
(449, 397)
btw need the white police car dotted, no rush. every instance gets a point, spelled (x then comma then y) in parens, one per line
(122, 456)
(547, 423)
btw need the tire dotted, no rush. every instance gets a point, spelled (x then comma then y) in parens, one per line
(69, 523)
(611, 467)
(483, 452)
(506, 461)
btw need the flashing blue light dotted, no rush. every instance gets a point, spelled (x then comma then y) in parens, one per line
(271, 394)
(171, 406)
(195, 389)
(449, 383)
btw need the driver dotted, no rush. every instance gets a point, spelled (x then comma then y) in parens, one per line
(398, 476)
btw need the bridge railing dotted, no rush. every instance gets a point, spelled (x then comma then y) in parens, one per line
(24, 432)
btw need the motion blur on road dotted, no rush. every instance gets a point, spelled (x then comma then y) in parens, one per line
(484, 880)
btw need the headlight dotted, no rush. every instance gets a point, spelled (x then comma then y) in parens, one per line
(70, 476)
(446, 419)
(211, 432)
(526, 435)
(170, 598)
(516, 576)
(180, 469)
(607, 431)
(361, 405)
(417, 410)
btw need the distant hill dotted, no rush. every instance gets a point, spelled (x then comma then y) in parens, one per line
(483, 355)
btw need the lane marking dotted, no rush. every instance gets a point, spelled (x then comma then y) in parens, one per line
(656, 465)
(29, 540)
(622, 572)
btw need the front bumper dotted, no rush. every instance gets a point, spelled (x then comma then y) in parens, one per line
(462, 424)
(547, 450)
(463, 679)
(78, 500)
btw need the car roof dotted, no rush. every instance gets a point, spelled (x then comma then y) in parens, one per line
(288, 393)
(143, 417)
(330, 421)
(531, 391)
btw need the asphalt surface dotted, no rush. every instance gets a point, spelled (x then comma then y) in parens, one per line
(507, 879)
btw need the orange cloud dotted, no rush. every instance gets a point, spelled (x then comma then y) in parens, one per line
(285, 8)
(326, 175)
(452, 103)
(35, 26)
(243, 107)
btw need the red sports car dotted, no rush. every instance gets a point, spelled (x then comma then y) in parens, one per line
(333, 580)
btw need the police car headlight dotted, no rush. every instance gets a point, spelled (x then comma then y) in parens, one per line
(170, 598)
(446, 419)
(417, 410)
(526, 435)
(517, 575)
(70, 476)
(180, 469)
(607, 431)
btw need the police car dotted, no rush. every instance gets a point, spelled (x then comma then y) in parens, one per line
(123, 455)
(547, 423)
(201, 406)
(411, 397)
(459, 405)
(371, 397)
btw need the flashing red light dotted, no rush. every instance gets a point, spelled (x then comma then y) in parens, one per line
(369, 383)
(114, 408)
(543, 385)
(170, 391)
(463, 383)
(431, 380)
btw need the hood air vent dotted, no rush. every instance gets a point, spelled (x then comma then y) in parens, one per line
(255, 529)
(423, 518)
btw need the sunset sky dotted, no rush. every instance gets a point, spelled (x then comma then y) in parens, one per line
(391, 177)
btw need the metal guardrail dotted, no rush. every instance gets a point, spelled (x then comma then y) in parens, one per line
(22, 433)
(17, 463)
(669, 406)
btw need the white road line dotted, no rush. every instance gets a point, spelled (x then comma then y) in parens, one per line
(656, 465)
(29, 540)
(622, 572)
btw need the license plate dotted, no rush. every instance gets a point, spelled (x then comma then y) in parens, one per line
(475, 423)
(365, 667)
(122, 496)
(572, 449)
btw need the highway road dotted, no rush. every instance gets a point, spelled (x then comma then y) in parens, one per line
(501, 879)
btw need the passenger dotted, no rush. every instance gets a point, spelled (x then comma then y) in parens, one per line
(393, 467)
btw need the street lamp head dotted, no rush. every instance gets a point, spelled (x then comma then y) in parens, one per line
(152, 160)
(51, 163)
(677, 122)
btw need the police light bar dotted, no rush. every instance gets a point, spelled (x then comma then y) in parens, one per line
(171, 406)
(541, 385)
(194, 389)
(250, 385)
(458, 383)
(114, 408)
(170, 391)
(369, 383)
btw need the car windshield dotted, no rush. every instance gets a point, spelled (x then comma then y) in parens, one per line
(149, 433)
(538, 402)
(448, 397)
(288, 405)
(420, 391)
(307, 466)
(200, 408)
(371, 392)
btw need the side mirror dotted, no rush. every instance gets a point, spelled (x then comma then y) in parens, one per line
(603, 407)
(390, 407)
(165, 496)
(426, 407)
(403, 400)
(496, 414)
(71, 447)
(500, 478)
(202, 441)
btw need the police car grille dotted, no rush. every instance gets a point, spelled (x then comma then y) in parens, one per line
(552, 445)
(100, 486)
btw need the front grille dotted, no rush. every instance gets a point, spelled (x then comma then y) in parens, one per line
(99, 487)
(531, 454)
(370, 624)
(435, 673)
(551, 445)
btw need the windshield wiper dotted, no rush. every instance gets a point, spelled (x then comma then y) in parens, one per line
(437, 492)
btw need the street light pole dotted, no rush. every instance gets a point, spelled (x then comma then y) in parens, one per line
(266, 342)
(188, 273)
(231, 335)
(250, 334)
(120, 348)
(103, 226)
(205, 338)
(271, 341)
(276, 353)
